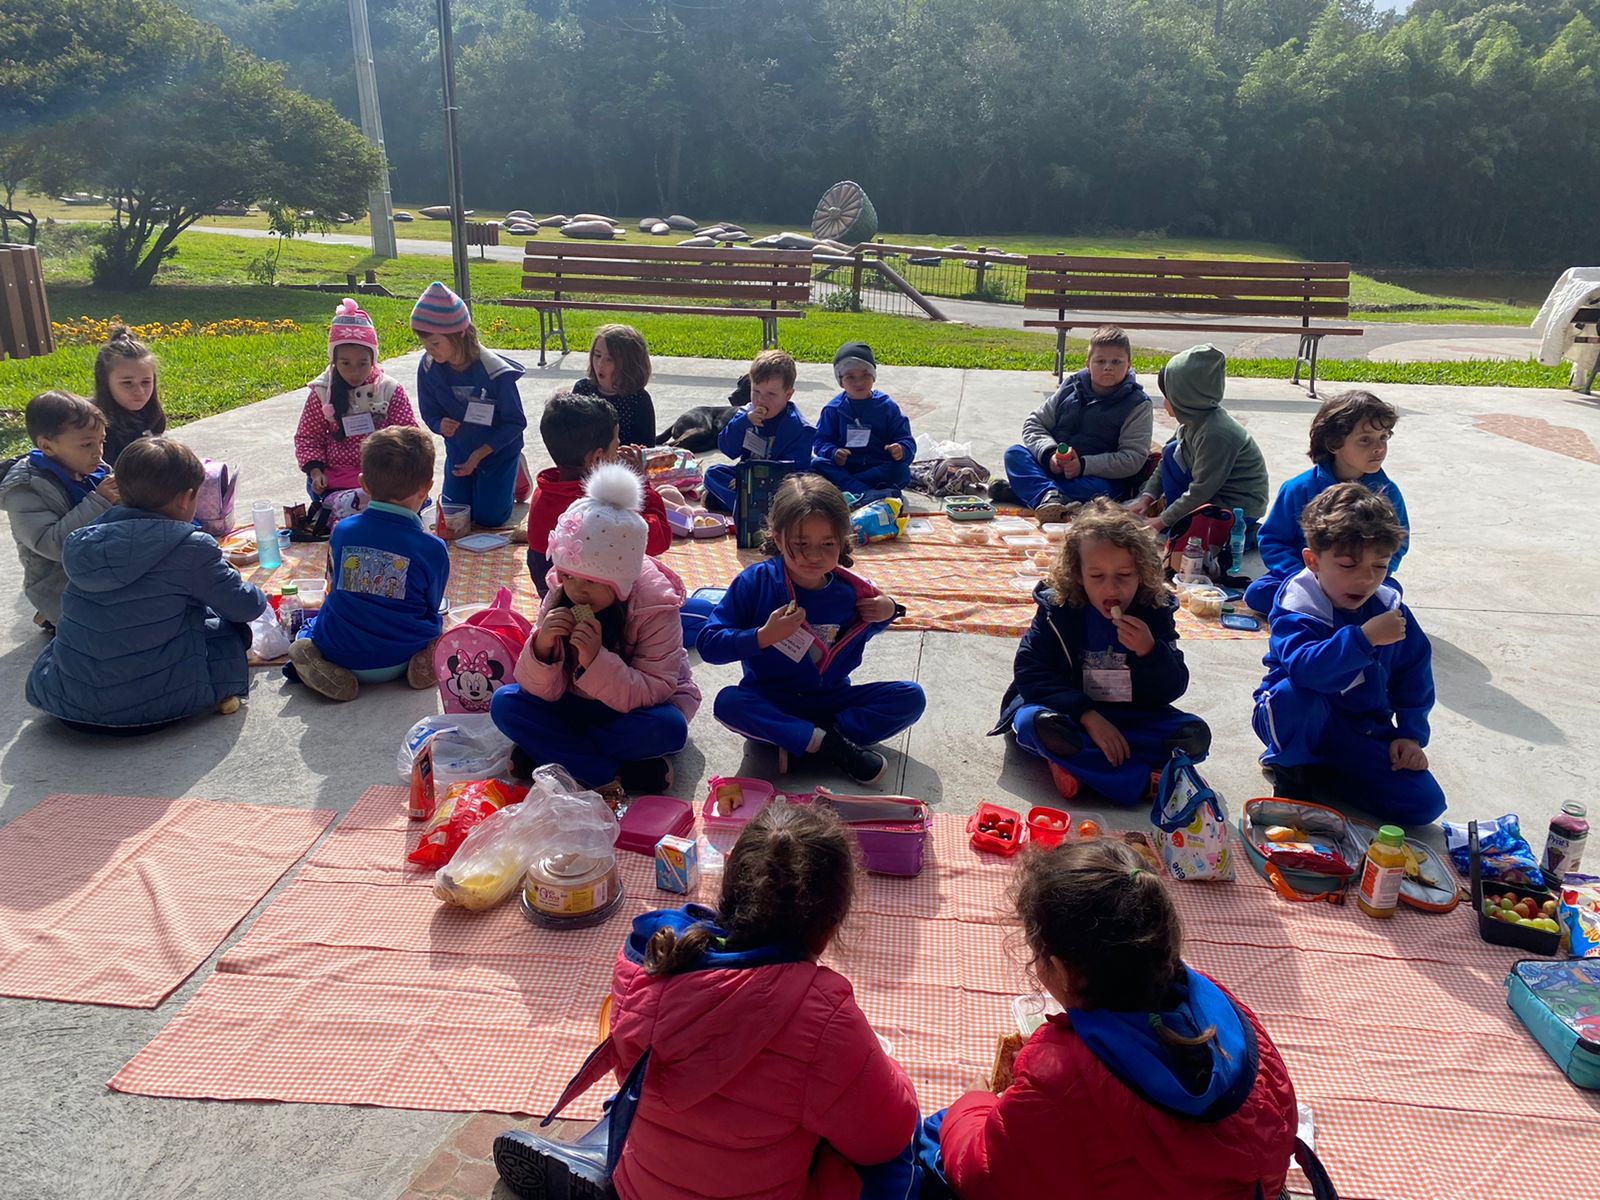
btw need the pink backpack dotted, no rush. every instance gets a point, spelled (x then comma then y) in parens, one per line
(475, 659)
(214, 506)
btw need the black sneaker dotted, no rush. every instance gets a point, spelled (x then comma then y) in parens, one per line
(1193, 738)
(1056, 735)
(538, 1168)
(646, 777)
(1001, 491)
(522, 763)
(862, 765)
(1288, 783)
(1053, 508)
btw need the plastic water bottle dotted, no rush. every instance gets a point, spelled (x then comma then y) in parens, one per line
(291, 613)
(1194, 558)
(266, 535)
(1236, 540)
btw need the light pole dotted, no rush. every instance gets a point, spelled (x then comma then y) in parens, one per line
(452, 142)
(379, 205)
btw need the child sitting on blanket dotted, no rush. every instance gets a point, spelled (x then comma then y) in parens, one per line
(762, 1069)
(1099, 670)
(799, 624)
(1349, 682)
(1349, 441)
(154, 622)
(864, 443)
(769, 428)
(386, 579)
(1155, 1081)
(603, 686)
(580, 433)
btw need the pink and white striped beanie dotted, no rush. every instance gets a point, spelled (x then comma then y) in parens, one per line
(352, 327)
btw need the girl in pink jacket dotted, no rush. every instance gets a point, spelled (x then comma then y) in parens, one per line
(764, 1081)
(603, 686)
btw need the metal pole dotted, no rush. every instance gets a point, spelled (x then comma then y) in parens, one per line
(458, 206)
(379, 204)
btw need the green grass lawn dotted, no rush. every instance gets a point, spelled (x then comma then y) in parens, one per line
(206, 281)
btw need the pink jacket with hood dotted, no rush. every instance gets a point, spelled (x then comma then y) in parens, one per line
(653, 666)
(751, 1069)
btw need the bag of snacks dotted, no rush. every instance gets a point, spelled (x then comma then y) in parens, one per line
(1506, 855)
(463, 806)
(1580, 913)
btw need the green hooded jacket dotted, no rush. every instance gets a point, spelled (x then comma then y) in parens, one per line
(1224, 460)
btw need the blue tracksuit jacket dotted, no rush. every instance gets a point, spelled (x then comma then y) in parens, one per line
(445, 392)
(881, 415)
(387, 576)
(788, 438)
(1281, 537)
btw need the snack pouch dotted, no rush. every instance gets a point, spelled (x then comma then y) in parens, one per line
(1506, 855)
(463, 806)
(880, 521)
(1580, 913)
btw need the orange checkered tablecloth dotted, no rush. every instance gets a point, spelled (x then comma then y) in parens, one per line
(357, 987)
(945, 584)
(117, 899)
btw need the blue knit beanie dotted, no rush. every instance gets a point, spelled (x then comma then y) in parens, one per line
(439, 310)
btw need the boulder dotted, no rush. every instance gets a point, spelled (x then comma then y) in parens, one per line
(522, 228)
(555, 222)
(678, 221)
(594, 217)
(698, 242)
(600, 230)
(440, 212)
(519, 214)
(646, 223)
(403, 216)
(660, 227)
(708, 230)
(738, 235)
(788, 241)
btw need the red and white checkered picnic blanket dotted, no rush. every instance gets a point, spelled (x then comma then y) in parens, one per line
(117, 899)
(357, 987)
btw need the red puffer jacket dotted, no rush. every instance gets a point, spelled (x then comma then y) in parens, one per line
(1068, 1128)
(750, 1069)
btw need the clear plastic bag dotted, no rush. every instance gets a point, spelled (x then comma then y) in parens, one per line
(557, 817)
(269, 640)
(465, 746)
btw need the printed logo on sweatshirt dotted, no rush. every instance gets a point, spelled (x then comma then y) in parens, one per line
(373, 572)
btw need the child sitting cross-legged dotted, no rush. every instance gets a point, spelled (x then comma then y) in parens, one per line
(603, 686)
(765, 1080)
(580, 433)
(864, 443)
(769, 428)
(799, 623)
(1349, 682)
(386, 579)
(154, 622)
(1099, 670)
(61, 485)
(1155, 1081)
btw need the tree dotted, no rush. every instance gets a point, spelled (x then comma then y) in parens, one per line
(184, 122)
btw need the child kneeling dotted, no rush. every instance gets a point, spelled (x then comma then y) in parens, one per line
(603, 686)
(1098, 671)
(1349, 682)
(1155, 1081)
(386, 579)
(762, 1068)
(154, 622)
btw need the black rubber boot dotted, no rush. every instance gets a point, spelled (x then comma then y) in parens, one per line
(538, 1168)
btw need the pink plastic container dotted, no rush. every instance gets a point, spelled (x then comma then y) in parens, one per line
(724, 828)
(650, 818)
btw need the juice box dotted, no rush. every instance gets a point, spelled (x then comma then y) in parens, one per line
(677, 864)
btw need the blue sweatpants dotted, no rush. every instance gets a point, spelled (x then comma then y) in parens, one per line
(720, 483)
(588, 738)
(889, 476)
(1032, 482)
(1149, 735)
(866, 713)
(490, 490)
(1302, 728)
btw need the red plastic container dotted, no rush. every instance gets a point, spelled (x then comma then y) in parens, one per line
(995, 841)
(1048, 826)
(724, 828)
(650, 818)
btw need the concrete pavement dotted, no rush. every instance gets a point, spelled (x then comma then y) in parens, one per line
(1500, 576)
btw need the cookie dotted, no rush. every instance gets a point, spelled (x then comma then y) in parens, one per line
(581, 613)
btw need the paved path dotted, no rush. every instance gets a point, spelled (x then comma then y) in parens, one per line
(1497, 481)
(1382, 342)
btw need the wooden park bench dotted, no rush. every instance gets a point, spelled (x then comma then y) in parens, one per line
(765, 284)
(1086, 292)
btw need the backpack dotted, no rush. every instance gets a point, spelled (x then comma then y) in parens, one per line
(475, 659)
(756, 484)
(213, 510)
(1213, 525)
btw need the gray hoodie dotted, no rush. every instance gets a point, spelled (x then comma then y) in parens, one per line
(41, 518)
(1224, 460)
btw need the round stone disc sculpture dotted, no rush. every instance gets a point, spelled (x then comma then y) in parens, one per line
(845, 214)
(603, 230)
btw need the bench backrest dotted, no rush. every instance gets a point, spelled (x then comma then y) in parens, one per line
(483, 233)
(768, 277)
(1222, 287)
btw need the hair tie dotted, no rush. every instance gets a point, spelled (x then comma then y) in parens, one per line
(1136, 872)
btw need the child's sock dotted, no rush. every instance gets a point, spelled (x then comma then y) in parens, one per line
(815, 743)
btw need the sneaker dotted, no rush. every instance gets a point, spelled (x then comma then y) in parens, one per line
(1052, 507)
(1057, 735)
(1001, 491)
(40, 620)
(647, 776)
(228, 705)
(1192, 738)
(419, 671)
(538, 1168)
(320, 675)
(1288, 783)
(522, 763)
(862, 765)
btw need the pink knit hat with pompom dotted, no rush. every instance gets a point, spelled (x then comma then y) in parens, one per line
(602, 537)
(352, 327)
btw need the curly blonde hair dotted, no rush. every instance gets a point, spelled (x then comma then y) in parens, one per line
(1104, 521)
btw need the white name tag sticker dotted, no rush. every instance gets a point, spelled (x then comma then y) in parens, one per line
(1108, 687)
(754, 442)
(797, 645)
(857, 436)
(358, 425)
(480, 412)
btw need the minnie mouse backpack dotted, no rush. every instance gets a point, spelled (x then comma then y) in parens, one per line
(474, 660)
(213, 510)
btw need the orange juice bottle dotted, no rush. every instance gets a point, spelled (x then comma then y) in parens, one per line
(1382, 872)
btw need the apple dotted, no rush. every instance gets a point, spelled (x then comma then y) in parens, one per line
(1549, 908)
